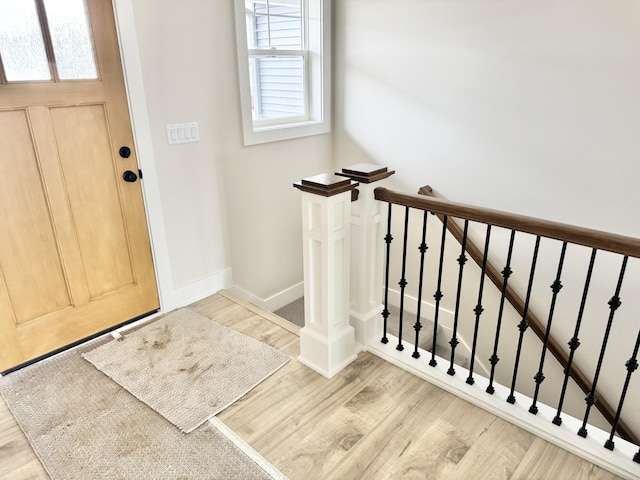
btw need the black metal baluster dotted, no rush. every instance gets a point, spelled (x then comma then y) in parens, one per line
(403, 281)
(423, 249)
(523, 325)
(385, 313)
(506, 273)
(479, 308)
(632, 366)
(438, 295)
(574, 343)
(556, 286)
(614, 303)
(462, 259)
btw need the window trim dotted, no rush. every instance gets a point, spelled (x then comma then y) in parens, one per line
(317, 24)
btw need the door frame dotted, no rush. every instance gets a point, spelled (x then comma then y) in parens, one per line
(134, 84)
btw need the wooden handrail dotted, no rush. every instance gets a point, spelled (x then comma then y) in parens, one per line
(569, 233)
(545, 228)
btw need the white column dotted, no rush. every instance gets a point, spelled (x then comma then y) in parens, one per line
(327, 341)
(368, 224)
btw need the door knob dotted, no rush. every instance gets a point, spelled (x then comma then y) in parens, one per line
(129, 176)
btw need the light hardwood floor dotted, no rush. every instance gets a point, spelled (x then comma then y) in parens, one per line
(371, 421)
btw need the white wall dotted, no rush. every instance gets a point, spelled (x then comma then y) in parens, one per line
(533, 102)
(218, 197)
(525, 106)
(178, 89)
(265, 217)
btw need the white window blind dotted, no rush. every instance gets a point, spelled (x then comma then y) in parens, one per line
(277, 58)
(283, 46)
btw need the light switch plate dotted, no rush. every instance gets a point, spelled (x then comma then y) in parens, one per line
(183, 133)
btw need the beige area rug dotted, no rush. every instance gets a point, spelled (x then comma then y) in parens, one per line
(186, 366)
(84, 426)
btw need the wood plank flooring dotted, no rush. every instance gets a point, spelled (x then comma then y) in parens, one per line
(371, 421)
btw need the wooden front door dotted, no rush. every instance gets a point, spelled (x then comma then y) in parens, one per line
(75, 257)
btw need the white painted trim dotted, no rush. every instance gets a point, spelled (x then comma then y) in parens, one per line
(619, 461)
(285, 297)
(199, 289)
(132, 69)
(327, 355)
(274, 302)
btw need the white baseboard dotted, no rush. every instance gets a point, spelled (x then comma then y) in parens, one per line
(618, 461)
(274, 302)
(194, 291)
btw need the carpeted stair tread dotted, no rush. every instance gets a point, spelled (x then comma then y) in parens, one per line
(294, 313)
(445, 352)
(426, 334)
(408, 332)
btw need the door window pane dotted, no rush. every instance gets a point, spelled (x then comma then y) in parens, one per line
(71, 39)
(21, 45)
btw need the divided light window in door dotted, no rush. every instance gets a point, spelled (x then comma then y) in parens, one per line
(45, 40)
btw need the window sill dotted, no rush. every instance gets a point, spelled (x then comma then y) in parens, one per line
(276, 133)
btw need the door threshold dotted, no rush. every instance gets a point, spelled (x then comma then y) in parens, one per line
(79, 342)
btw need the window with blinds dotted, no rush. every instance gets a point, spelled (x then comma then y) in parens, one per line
(281, 48)
(277, 58)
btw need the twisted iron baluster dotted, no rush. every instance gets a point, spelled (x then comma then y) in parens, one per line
(523, 325)
(614, 304)
(462, 259)
(556, 286)
(403, 281)
(506, 273)
(423, 249)
(385, 313)
(438, 295)
(632, 366)
(574, 343)
(479, 309)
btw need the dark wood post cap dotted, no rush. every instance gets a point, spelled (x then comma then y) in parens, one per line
(326, 184)
(365, 172)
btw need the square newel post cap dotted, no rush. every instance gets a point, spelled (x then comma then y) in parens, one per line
(366, 172)
(326, 184)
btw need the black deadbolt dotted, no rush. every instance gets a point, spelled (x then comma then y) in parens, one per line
(129, 176)
(125, 152)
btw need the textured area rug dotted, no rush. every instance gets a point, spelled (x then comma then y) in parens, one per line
(84, 426)
(186, 366)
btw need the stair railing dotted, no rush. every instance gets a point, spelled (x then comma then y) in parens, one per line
(530, 319)
(345, 246)
(626, 247)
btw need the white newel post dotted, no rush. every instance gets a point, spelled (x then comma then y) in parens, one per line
(327, 340)
(368, 217)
